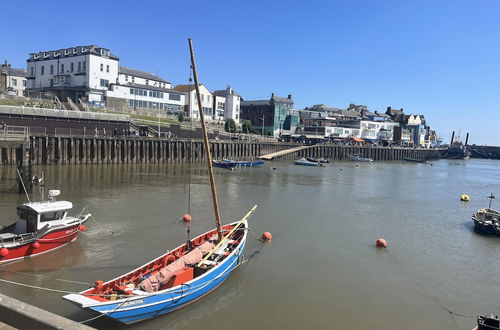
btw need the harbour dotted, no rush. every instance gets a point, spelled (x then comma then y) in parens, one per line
(322, 261)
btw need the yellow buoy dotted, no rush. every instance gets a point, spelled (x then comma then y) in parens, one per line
(465, 198)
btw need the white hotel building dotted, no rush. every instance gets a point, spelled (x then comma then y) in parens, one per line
(93, 75)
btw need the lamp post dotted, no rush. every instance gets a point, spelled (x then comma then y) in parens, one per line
(263, 117)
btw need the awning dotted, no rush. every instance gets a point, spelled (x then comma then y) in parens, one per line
(357, 139)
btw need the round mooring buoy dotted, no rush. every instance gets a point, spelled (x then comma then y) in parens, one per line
(465, 198)
(4, 252)
(186, 217)
(381, 243)
(267, 236)
(82, 228)
(36, 245)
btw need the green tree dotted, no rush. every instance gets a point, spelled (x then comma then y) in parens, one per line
(230, 126)
(247, 127)
(180, 117)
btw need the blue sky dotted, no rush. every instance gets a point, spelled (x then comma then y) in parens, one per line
(436, 58)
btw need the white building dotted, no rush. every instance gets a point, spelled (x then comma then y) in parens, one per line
(12, 81)
(93, 74)
(227, 105)
(192, 108)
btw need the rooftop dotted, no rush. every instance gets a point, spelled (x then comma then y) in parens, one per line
(72, 51)
(12, 71)
(46, 206)
(185, 88)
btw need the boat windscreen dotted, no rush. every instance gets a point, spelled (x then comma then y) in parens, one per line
(49, 216)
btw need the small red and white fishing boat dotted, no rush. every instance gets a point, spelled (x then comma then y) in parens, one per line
(40, 227)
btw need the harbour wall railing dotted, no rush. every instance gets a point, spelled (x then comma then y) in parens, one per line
(63, 150)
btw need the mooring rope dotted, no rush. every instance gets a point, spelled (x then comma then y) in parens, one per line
(424, 289)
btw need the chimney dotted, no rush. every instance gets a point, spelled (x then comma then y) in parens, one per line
(289, 96)
(389, 109)
(272, 95)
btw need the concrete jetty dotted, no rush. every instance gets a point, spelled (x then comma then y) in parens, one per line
(21, 315)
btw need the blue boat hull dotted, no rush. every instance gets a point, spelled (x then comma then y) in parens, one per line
(231, 164)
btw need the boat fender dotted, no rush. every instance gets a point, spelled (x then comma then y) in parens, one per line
(4, 252)
(381, 243)
(267, 236)
(82, 228)
(187, 218)
(465, 198)
(36, 245)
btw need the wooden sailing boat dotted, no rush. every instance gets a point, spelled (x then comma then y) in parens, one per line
(178, 277)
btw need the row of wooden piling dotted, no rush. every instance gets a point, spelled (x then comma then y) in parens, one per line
(46, 150)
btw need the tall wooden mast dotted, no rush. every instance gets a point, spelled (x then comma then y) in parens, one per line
(205, 143)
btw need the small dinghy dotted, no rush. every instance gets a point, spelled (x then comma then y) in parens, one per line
(358, 158)
(227, 163)
(318, 160)
(305, 162)
(414, 160)
(40, 227)
(487, 220)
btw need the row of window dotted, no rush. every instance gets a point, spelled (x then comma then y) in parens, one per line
(153, 105)
(82, 67)
(160, 95)
(162, 85)
(14, 82)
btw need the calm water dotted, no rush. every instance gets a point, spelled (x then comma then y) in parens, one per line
(321, 270)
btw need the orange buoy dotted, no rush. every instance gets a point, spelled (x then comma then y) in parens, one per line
(36, 245)
(382, 243)
(82, 228)
(4, 252)
(186, 217)
(267, 236)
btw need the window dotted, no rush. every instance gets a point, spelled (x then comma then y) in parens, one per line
(131, 91)
(104, 83)
(130, 103)
(51, 69)
(220, 105)
(107, 68)
(49, 216)
(174, 97)
(102, 67)
(84, 66)
(24, 83)
(71, 67)
(79, 66)
(27, 215)
(126, 78)
(133, 79)
(62, 69)
(14, 82)
(147, 82)
(42, 70)
(202, 97)
(31, 71)
(208, 98)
